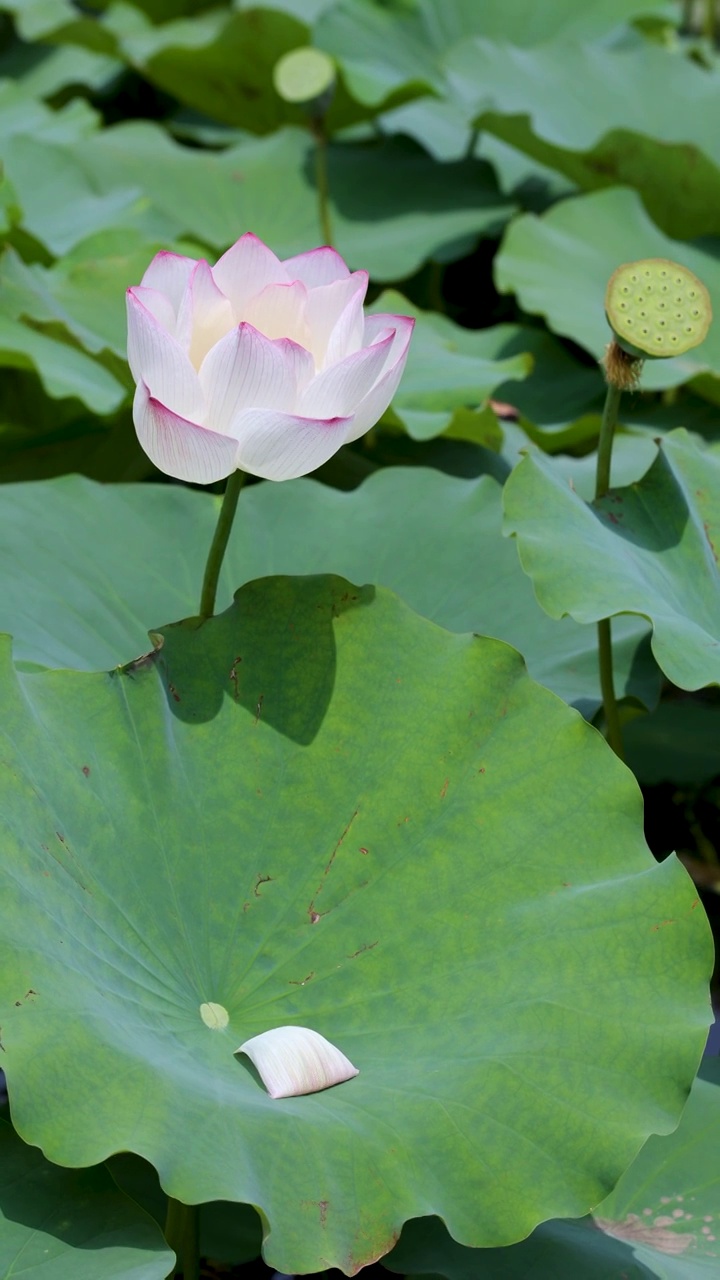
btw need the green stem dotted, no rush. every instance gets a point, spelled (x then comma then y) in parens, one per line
(605, 443)
(602, 484)
(181, 1233)
(219, 543)
(710, 20)
(613, 730)
(321, 179)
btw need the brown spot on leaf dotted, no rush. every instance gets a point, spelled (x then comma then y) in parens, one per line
(86, 770)
(302, 981)
(635, 1231)
(368, 946)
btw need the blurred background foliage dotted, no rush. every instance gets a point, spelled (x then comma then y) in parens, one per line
(490, 163)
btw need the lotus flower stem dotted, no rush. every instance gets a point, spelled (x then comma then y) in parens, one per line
(710, 20)
(321, 179)
(602, 484)
(219, 543)
(181, 1233)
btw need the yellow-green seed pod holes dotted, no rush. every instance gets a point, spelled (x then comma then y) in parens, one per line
(657, 308)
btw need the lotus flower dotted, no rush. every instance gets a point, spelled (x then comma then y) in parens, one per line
(257, 364)
(295, 1060)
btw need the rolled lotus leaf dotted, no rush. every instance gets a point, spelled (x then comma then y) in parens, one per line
(295, 1060)
(657, 308)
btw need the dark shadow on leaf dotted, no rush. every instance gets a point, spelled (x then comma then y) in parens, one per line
(652, 514)
(272, 653)
(389, 179)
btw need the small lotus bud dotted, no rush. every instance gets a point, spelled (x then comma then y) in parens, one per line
(296, 1060)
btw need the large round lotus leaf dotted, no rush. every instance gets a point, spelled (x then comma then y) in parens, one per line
(133, 557)
(662, 1219)
(226, 1231)
(389, 212)
(71, 1225)
(450, 368)
(402, 48)
(650, 549)
(321, 809)
(638, 116)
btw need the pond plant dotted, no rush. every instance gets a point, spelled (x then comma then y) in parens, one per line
(330, 933)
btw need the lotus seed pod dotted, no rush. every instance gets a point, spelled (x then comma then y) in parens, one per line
(657, 308)
(305, 76)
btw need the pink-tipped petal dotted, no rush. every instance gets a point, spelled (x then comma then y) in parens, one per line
(246, 269)
(376, 326)
(317, 267)
(278, 311)
(335, 318)
(282, 446)
(373, 406)
(295, 1060)
(169, 274)
(339, 389)
(246, 370)
(159, 306)
(205, 314)
(156, 359)
(178, 447)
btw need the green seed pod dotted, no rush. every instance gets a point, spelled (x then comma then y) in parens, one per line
(304, 76)
(657, 308)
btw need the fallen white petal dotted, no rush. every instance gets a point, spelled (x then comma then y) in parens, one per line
(296, 1060)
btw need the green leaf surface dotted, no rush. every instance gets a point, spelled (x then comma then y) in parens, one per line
(224, 821)
(135, 556)
(385, 50)
(559, 265)
(389, 211)
(667, 1205)
(661, 1220)
(648, 549)
(84, 290)
(21, 112)
(63, 370)
(221, 63)
(641, 116)
(450, 368)
(71, 1224)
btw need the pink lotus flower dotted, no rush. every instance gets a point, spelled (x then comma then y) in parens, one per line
(257, 364)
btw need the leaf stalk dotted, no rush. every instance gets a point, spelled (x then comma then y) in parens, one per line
(602, 485)
(181, 1233)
